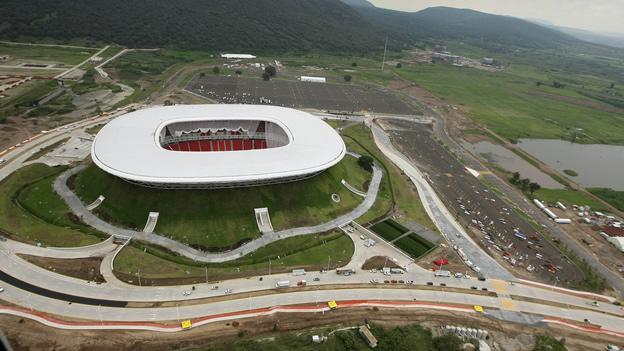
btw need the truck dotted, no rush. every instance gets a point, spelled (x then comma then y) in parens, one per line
(282, 284)
(442, 273)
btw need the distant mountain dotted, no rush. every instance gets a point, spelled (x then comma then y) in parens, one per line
(358, 3)
(494, 32)
(257, 25)
(610, 39)
(265, 25)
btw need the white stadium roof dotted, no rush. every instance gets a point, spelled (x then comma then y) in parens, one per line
(129, 147)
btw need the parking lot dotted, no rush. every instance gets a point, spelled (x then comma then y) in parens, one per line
(333, 97)
(497, 228)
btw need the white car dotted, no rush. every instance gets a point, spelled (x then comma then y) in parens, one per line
(1, 289)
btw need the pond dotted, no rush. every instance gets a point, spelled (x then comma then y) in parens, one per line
(511, 162)
(597, 165)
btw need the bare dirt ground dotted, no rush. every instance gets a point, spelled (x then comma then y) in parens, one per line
(17, 129)
(28, 335)
(81, 268)
(455, 263)
(378, 262)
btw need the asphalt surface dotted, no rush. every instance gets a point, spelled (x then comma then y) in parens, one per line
(476, 206)
(323, 96)
(58, 295)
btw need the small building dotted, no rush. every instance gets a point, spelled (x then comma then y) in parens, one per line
(370, 339)
(238, 56)
(313, 79)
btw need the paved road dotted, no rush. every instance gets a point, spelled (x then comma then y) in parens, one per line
(445, 222)
(77, 207)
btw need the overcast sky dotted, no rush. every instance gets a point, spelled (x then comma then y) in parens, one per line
(595, 15)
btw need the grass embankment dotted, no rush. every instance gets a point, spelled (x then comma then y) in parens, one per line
(408, 337)
(389, 229)
(220, 219)
(414, 245)
(547, 343)
(95, 129)
(510, 103)
(396, 189)
(45, 150)
(613, 197)
(30, 211)
(311, 252)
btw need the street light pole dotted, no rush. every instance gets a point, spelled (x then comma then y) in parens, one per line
(206, 274)
(269, 266)
(139, 274)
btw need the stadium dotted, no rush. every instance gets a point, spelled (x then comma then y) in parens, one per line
(216, 146)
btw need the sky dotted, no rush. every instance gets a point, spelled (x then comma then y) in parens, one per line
(604, 16)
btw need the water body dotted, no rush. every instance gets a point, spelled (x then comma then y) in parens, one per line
(597, 165)
(509, 161)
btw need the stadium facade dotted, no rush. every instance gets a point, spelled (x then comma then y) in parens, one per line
(216, 146)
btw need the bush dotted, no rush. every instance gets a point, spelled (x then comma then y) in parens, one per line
(353, 64)
(266, 76)
(366, 162)
(347, 78)
(399, 65)
(239, 72)
(270, 70)
(216, 70)
(447, 343)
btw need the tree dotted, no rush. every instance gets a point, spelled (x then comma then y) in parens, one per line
(524, 184)
(239, 72)
(612, 85)
(203, 74)
(270, 70)
(366, 162)
(399, 65)
(533, 187)
(266, 76)
(353, 64)
(447, 343)
(168, 102)
(347, 78)
(515, 177)
(215, 70)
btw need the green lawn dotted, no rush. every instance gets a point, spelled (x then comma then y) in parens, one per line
(68, 56)
(220, 219)
(30, 210)
(568, 197)
(389, 229)
(25, 97)
(548, 343)
(615, 198)
(311, 252)
(395, 188)
(414, 245)
(505, 102)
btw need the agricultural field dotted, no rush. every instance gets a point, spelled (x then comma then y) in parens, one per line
(512, 105)
(217, 220)
(30, 211)
(311, 252)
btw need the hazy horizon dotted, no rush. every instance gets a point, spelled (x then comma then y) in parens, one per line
(601, 16)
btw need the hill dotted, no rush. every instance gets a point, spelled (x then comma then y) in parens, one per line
(259, 25)
(359, 3)
(492, 32)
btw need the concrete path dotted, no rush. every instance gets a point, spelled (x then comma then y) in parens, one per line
(95, 250)
(446, 223)
(78, 208)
